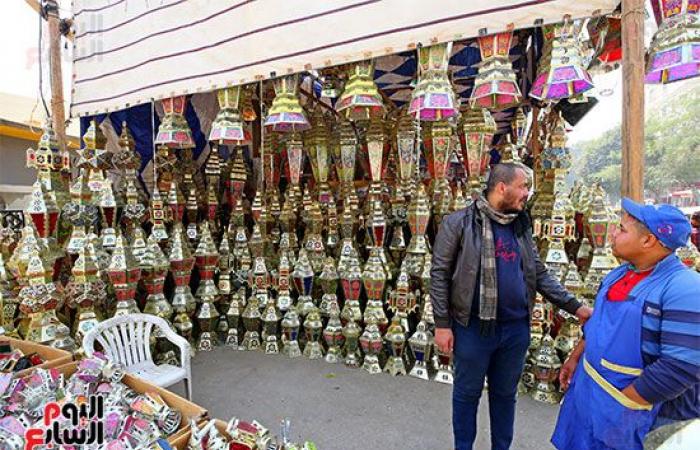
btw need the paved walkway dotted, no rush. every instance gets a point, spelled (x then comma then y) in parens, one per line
(346, 409)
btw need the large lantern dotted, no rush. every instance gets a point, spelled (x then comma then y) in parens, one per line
(479, 128)
(174, 131)
(433, 98)
(495, 86)
(674, 52)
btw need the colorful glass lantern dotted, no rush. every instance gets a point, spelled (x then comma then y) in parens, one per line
(227, 128)
(495, 86)
(433, 98)
(174, 132)
(479, 128)
(606, 36)
(317, 147)
(674, 52)
(561, 73)
(286, 114)
(406, 147)
(49, 162)
(360, 99)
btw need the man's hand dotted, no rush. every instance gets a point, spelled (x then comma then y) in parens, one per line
(631, 393)
(566, 373)
(584, 313)
(444, 340)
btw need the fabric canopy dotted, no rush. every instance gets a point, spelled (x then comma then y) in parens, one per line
(130, 52)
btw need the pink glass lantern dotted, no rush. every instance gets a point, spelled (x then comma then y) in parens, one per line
(561, 73)
(674, 52)
(286, 114)
(433, 98)
(495, 86)
(174, 132)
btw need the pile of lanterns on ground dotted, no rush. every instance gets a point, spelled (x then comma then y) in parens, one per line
(329, 268)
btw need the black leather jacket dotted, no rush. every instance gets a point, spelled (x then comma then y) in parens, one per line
(456, 261)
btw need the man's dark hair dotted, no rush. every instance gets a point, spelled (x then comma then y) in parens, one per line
(696, 216)
(502, 173)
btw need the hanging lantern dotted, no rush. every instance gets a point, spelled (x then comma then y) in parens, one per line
(174, 132)
(495, 86)
(317, 147)
(606, 36)
(360, 99)
(561, 73)
(406, 147)
(286, 114)
(49, 162)
(674, 52)
(433, 98)
(227, 128)
(517, 126)
(479, 128)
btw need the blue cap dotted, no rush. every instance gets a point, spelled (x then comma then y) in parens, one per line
(666, 222)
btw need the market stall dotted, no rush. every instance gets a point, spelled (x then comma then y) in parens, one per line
(276, 187)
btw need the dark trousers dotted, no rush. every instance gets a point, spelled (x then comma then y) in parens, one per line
(501, 356)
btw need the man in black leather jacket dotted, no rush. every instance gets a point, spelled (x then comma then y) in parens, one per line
(483, 315)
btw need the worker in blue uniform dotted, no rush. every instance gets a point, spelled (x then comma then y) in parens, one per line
(638, 365)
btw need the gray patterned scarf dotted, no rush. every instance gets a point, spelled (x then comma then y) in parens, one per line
(488, 301)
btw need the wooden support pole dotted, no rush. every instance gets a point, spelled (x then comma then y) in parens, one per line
(57, 112)
(633, 99)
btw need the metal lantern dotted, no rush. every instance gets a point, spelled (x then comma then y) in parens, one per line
(317, 146)
(286, 114)
(206, 259)
(495, 86)
(83, 291)
(174, 132)
(333, 336)
(290, 330)
(49, 163)
(674, 52)
(374, 279)
(406, 148)
(421, 344)
(433, 97)
(329, 284)
(371, 344)
(313, 327)
(479, 128)
(270, 320)
(561, 72)
(227, 128)
(396, 338)
(124, 273)
(360, 99)
(303, 276)
(154, 269)
(351, 333)
(546, 370)
(181, 265)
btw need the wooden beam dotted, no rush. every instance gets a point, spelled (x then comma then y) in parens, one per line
(57, 112)
(633, 99)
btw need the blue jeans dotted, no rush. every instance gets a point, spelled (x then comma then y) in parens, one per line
(501, 356)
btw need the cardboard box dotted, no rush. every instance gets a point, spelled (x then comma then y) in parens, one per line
(183, 438)
(53, 357)
(188, 409)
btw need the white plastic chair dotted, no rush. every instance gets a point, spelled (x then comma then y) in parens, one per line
(125, 340)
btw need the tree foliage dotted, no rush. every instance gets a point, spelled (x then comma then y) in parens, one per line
(672, 149)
